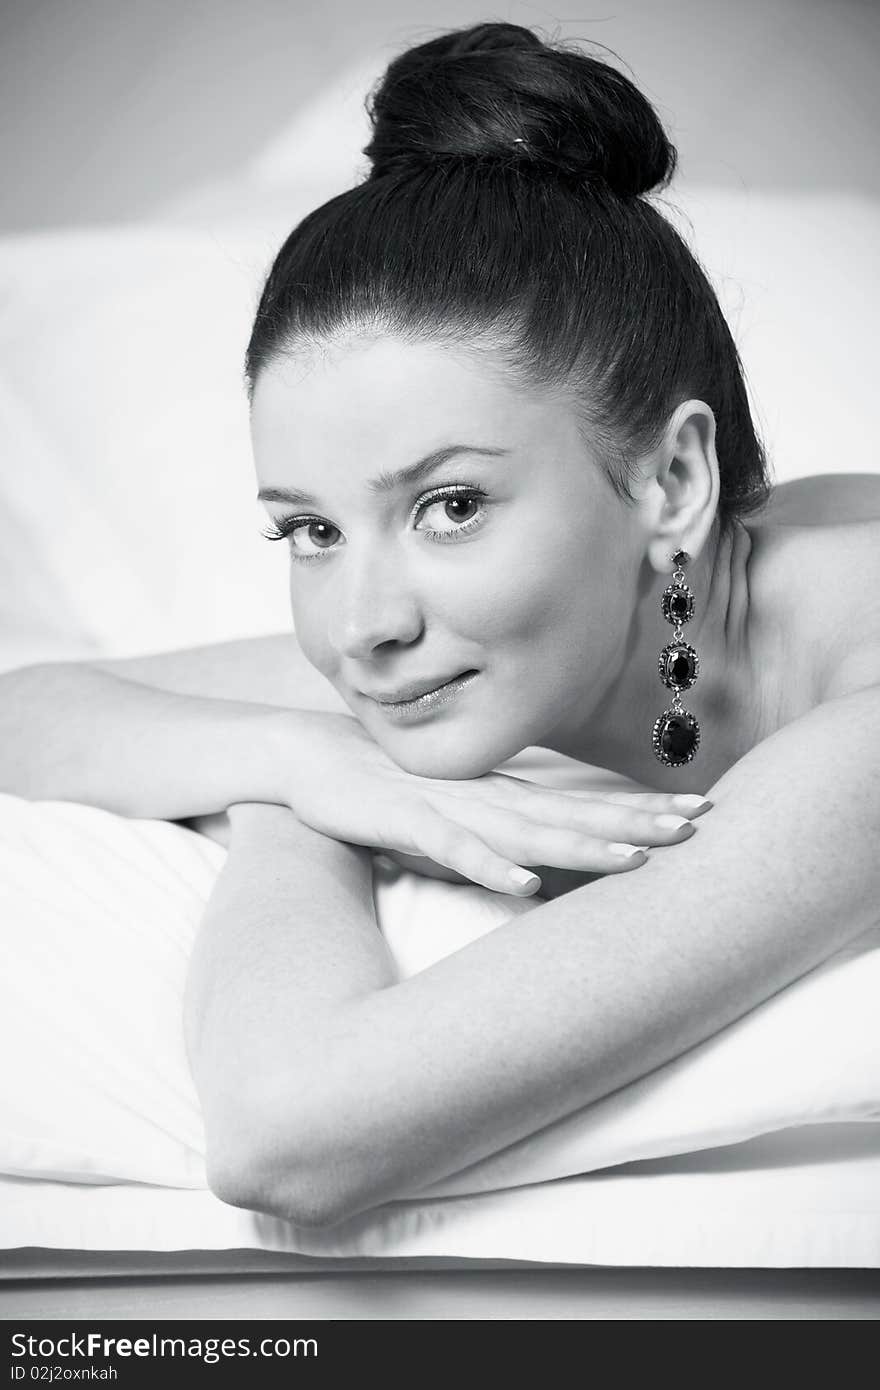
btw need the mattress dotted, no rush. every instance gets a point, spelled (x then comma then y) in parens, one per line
(466, 1291)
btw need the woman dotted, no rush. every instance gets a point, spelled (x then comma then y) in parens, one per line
(496, 414)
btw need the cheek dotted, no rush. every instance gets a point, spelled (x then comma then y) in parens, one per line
(537, 596)
(554, 626)
(310, 629)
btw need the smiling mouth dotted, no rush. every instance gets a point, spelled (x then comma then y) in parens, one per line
(426, 700)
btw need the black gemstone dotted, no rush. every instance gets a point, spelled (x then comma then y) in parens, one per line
(680, 557)
(681, 668)
(677, 603)
(678, 737)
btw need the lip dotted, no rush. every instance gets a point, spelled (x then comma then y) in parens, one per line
(413, 690)
(419, 697)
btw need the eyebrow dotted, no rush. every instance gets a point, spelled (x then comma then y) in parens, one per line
(385, 482)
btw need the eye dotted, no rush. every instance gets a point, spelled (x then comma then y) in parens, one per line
(450, 511)
(309, 536)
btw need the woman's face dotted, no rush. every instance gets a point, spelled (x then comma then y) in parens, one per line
(444, 528)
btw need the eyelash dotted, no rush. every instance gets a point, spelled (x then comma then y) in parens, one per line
(284, 529)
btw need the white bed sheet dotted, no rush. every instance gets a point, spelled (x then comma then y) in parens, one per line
(98, 916)
(807, 1198)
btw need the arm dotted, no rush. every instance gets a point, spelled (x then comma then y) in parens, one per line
(327, 1088)
(172, 735)
(169, 749)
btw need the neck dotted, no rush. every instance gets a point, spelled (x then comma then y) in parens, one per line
(616, 734)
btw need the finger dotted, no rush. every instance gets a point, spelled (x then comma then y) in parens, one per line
(689, 805)
(516, 793)
(527, 842)
(520, 840)
(571, 823)
(458, 848)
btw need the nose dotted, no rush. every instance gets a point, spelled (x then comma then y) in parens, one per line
(375, 605)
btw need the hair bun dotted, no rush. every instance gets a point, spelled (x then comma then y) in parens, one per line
(497, 91)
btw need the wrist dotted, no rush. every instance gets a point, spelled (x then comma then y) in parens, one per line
(244, 816)
(226, 753)
(281, 746)
(293, 745)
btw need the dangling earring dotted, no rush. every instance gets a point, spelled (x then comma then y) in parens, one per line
(676, 735)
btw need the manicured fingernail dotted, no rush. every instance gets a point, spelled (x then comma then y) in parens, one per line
(694, 803)
(524, 879)
(672, 822)
(623, 850)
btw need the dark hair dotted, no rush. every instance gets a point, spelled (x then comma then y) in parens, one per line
(503, 215)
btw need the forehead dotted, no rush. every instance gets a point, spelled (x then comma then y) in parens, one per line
(386, 400)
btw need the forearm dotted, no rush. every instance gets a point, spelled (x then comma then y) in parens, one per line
(70, 732)
(288, 935)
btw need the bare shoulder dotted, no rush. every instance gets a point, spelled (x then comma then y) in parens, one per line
(825, 499)
(850, 608)
(822, 578)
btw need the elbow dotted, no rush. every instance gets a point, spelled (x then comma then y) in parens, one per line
(316, 1193)
(305, 1204)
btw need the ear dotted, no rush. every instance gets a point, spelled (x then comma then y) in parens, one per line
(684, 486)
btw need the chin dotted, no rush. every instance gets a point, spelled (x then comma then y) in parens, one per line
(453, 756)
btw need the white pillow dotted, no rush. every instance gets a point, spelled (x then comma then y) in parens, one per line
(99, 914)
(128, 519)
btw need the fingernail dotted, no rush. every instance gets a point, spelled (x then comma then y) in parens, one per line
(672, 822)
(694, 803)
(524, 879)
(624, 851)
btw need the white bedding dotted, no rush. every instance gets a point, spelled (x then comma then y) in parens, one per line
(99, 914)
(801, 1198)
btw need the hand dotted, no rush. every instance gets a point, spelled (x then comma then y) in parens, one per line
(487, 829)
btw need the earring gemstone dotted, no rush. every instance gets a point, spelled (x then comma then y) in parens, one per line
(677, 603)
(679, 665)
(676, 737)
